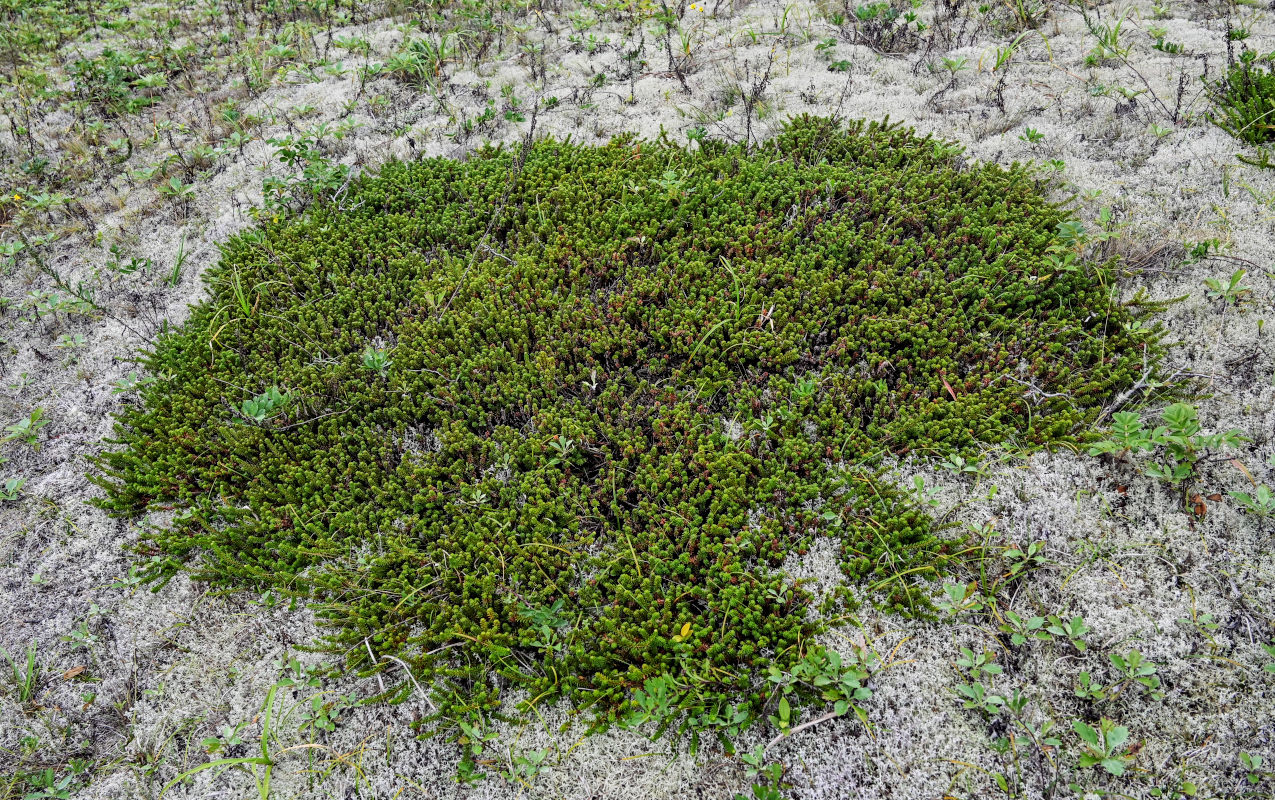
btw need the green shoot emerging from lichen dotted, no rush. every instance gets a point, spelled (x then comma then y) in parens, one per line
(554, 419)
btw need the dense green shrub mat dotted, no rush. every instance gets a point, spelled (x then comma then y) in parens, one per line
(615, 395)
(1245, 100)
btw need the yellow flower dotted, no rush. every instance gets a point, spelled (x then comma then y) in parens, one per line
(17, 197)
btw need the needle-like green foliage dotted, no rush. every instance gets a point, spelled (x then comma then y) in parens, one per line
(619, 387)
(1245, 100)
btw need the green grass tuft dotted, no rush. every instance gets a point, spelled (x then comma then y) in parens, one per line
(560, 431)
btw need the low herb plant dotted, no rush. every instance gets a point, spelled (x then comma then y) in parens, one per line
(1232, 288)
(1254, 771)
(1261, 503)
(623, 379)
(27, 429)
(1104, 746)
(1177, 446)
(12, 488)
(767, 776)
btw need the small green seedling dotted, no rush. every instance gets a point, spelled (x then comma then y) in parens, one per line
(27, 430)
(1270, 651)
(1175, 786)
(1231, 289)
(473, 741)
(1261, 503)
(179, 261)
(1253, 767)
(960, 466)
(1088, 689)
(757, 766)
(134, 264)
(1020, 630)
(227, 737)
(1104, 747)
(961, 597)
(770, 775)
(1204, 623)
(837, 683)
(81, 637)
(376, 359)
(524, 768)
(323, 712)
(923, 495)
(547, 624)
(12, 489)
(562, 448)
(1184, 444)
(654, 702)
(822, 670)
(48, 787)
(259, 768)
(977, 665)
(297, 675)
(1198, 251)
(784, 717)
(263, 406)
(1136, 670)
(177, 190)
(9, 252)
(1031, 135)
(1072, 630)
(977, 698)
(1128, 435)
(1019, 562)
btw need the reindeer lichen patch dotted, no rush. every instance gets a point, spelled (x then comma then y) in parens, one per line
(553, 418)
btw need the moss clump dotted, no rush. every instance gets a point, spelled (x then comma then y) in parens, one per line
(560, 432)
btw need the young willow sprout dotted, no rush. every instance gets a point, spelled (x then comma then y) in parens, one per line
(621, 386)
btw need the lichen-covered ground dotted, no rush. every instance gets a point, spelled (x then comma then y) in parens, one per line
(137, 137)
